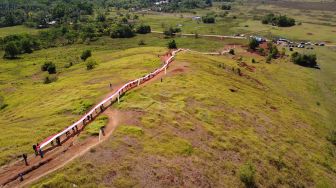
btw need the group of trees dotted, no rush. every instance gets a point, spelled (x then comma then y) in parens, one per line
(307, 60)
(49, 66)
(281, 20)
(271, 51)
(171, 31)
(37, 13)
(184, 5)
(14, 45)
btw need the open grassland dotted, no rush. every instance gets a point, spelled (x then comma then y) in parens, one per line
(192, 131)
(36, 110)
(17, 30)
(315, 25)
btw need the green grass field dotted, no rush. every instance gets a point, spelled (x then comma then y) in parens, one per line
(5, 31)
(36, 110)
(200, 127)
(192, 125)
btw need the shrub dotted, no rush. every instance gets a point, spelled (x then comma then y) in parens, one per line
(307, 60)
(49, 66)
(253, 44)
(85, 54)
(91, 64)
(141, 43)
(261, 51)
(51, 69)
(281, 21)
(143, 29)
(49, 79)
(246, 174)
(253, 60)
(122, 31)
(11, 50)
(172, 44)
(208, 19)
(232, 52)
(171, 31)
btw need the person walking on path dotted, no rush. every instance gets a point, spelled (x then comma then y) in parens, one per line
(21, 177)
(35, 150)
(41, 153)
(24, 156)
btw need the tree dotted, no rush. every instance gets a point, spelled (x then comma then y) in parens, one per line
(52, 68)
(49, 66)
(101, 17)
(122, 31)
(208, 19)
(253, 44)
(26, 45)
(143, 29)
(232, 52)
(307, 60)
(11, 50)
(85, 54)
(88, 31)
(172, 44)
(171, 31)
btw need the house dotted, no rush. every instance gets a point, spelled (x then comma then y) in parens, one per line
(52, 22)
(196, 18)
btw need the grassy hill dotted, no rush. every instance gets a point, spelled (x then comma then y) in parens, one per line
(206, 126)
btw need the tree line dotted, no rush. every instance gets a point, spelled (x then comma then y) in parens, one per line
(13, 45)
(280, 20)
(38, 13)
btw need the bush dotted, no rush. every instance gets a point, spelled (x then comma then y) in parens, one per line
(172, 44)
(307, 60)
(122, 31)
(11, 50)
(85, 54)
(208, 19)
(49, 79)
(247, 173)
(171, 31)
(281, 21)
(253, 44)
(49, 66)
(143, 29)
(232, 52)
(91, 64)
(141, 43)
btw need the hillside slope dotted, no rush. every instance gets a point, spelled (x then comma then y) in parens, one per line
(207, 126)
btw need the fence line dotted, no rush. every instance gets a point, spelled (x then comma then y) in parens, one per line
(111, 99)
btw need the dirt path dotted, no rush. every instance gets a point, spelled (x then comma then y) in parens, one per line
(70, 149)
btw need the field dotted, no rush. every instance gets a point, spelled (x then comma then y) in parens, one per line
(68, 98)
(191, 130)
(17, 30)
(204, 125)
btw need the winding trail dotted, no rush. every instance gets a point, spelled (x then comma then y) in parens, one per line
(56, 156)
